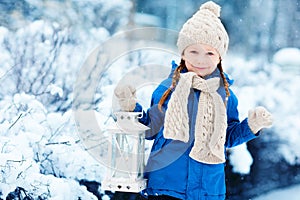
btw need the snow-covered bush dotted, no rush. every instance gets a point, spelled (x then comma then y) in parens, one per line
(40, 150)
(47, 51)
(42, 49)
(270, 85)
(43, 55)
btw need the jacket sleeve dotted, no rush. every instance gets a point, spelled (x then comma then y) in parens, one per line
(237, 132)
(153, 117)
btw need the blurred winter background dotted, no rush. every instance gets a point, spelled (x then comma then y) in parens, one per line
(43, 45)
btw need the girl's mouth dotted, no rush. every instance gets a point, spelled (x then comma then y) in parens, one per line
(200, 68)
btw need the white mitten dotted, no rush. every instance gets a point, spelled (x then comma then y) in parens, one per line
(126, 95)
(259, 118)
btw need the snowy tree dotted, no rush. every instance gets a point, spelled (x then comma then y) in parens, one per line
(43, 45)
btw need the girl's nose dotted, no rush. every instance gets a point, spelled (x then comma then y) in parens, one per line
(201, 59)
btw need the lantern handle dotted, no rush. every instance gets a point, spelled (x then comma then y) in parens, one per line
(140, 115)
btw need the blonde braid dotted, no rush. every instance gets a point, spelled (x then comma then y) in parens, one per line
(225, 82)
(175, 79)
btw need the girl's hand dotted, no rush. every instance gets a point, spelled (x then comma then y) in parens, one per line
(259, 118)
(126, 96)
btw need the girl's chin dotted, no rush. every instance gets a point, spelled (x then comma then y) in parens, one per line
(200, 73)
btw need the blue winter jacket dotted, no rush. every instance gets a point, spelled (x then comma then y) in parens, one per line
(170, 170)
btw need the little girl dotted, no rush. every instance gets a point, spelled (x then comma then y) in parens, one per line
(193, 116)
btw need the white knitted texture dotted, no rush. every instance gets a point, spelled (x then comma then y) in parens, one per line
(204, 27)
(211, 121)
(212, 7)
(176, 119)
(259, 118)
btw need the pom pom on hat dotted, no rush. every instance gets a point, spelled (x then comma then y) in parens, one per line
(204, 27)
(212, 7)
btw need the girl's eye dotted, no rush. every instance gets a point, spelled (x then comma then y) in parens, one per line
(210, 53)
(193, 52)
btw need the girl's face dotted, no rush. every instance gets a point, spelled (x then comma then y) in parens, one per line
(201, 59)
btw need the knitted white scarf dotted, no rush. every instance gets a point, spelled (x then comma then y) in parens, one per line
(211, 121)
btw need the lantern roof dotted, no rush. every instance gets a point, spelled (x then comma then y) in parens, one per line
(127, 122)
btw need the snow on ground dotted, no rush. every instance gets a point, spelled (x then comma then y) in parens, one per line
(292, 193)
(39, 152)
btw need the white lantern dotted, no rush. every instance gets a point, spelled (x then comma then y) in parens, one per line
(126, 154)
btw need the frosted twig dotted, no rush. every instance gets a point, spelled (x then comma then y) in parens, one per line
(15, 121)
(53, 143)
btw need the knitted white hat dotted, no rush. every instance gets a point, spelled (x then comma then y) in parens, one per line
(204, 27)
